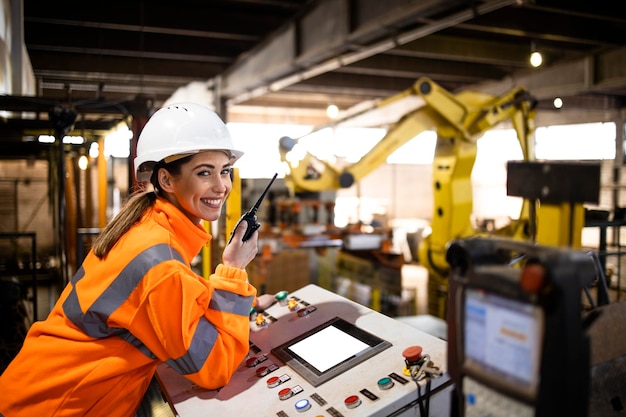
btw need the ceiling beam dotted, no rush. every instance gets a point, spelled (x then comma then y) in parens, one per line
(311, 45)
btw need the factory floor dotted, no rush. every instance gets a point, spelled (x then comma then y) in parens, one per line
(415, 282)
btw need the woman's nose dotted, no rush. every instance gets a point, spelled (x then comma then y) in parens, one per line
(222, 184)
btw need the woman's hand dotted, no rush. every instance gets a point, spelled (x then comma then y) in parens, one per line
(239, 254)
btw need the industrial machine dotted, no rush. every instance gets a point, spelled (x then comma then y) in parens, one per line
(459, 120)
(517, 332)
(315, 353)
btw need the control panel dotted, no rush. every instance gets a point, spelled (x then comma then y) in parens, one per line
(315, 353)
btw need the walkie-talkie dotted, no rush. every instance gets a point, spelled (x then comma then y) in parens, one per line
(250, 216)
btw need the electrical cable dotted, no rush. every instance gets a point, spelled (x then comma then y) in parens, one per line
(419, 372)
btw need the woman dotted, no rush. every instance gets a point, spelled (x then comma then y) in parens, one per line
(135, 302)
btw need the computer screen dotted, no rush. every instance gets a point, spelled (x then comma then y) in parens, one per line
(329, 350)
(502, 340)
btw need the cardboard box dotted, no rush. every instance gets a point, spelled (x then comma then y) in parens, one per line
(287, 270)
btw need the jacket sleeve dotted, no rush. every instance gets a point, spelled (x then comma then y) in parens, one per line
(201, 327)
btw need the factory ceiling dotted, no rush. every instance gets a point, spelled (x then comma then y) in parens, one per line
(285, 61)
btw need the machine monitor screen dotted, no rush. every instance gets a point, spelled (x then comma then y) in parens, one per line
(502, 340)
(329, 350)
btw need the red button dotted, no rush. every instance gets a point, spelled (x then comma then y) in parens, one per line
(262, 371)
(273, 381)
(533, 278)
(252, 362)
(352, 401)
(412, 353)
(284, 393)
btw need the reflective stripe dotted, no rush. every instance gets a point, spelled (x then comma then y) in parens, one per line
(230, 303)
(131, 339)
(201, 346)
(205, 335)
(93, 321)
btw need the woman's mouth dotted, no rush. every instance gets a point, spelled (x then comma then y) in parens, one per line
(212, 201)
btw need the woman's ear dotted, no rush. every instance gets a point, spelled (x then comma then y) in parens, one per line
(164, 178)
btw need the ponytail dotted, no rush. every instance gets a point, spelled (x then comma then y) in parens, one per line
(134, 209)
(130, 214)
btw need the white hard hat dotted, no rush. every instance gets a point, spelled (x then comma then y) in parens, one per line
(180, 129)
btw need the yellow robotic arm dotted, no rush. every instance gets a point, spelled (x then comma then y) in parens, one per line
(465, 117)
(459, 120)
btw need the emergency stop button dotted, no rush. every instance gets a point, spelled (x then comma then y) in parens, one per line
(412, 354)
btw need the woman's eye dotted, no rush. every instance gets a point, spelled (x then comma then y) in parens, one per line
(226, 171)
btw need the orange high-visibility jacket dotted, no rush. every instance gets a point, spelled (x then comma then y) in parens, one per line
(120, 317)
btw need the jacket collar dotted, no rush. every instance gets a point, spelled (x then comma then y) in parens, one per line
(190, 236)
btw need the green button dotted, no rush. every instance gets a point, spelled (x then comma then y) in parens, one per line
(385, 383)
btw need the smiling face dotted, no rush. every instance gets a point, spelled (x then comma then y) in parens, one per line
(200, 188)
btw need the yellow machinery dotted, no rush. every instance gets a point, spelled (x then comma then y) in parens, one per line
(459, 120)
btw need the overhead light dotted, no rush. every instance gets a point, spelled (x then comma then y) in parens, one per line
(74, 140)
(536, 59)
(94, 150)
(46, 139)
(332, 111)
(83, 162)
(558, 103)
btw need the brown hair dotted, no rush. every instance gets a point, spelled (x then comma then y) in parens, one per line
(134, 209)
